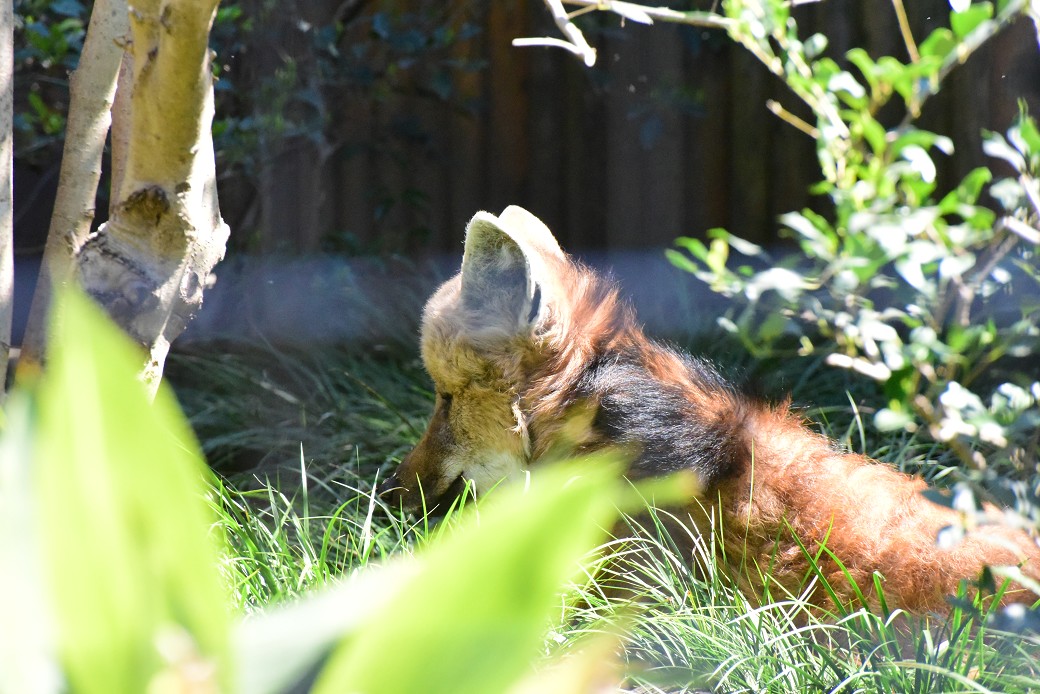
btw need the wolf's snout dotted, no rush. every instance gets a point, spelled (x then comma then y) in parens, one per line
(390, 490)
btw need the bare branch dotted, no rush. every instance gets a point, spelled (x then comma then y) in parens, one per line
(555, 43)
(1021, 229)
(783, 114)
(6, 185)
(575, 42)
(709, 20)
(904, 29)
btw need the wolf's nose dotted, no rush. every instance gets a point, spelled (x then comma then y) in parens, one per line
(390, 489)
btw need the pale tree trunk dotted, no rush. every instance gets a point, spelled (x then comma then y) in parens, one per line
(92, 86)
(6, 184)
(149, 264)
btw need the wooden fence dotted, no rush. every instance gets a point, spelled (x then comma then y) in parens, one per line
(669, 135)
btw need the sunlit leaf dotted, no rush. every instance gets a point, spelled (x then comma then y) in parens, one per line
(131, 564)
(966, 20)
(26, 637)
(485, 594)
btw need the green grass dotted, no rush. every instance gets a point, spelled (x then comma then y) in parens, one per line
(300, 440)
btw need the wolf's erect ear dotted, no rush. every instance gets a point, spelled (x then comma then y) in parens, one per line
(504, 265)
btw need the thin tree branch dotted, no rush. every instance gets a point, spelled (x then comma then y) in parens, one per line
(91, 90)
(550, 42)
(709, 20)
(777, 109)
(904, 29)
(6, 185)
(575, 42)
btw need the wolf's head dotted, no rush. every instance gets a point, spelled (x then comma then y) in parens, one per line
(534, 356)
(486, 333)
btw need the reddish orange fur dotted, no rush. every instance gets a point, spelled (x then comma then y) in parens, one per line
(515, 392)
(870, 516)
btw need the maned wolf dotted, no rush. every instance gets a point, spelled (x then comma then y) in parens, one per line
(532, 354)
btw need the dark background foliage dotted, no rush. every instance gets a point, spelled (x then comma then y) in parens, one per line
(382, 125)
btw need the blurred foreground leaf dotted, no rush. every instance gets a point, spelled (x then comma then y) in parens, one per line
(130, 562)
(472, 618)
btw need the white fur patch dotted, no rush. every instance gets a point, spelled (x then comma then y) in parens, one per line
(488, 470)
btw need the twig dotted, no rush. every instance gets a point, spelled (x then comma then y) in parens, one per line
(575, 42)
(1027, 233)
(557, 43)
(904, 29)
(783, 114)
(709, 20)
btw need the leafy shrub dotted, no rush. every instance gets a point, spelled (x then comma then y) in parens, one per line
(48, 38)
(901, 282)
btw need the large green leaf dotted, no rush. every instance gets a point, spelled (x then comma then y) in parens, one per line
(26, 636)
(474, 616)
(130, 554)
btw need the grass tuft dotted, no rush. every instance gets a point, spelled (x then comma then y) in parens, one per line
(300, 440)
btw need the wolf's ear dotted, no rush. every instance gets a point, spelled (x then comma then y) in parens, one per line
(503, 266)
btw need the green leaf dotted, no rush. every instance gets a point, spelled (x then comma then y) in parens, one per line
(888, 419)
(848, 88)
(814, 45)
(681, 261)
(131, 561)
(815, 237)
(485, 594)
(718, 254)
(26, 646)
(873, 132)
(939, 44)
(772, 327)
(1029, 134)
(276, 649)
(971, 185)
(696, 247)
(738, 244)
(862, 60)
(969, 19)
(923, 139)
(997, 147)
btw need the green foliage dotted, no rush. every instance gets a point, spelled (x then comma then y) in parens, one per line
(123, 537)
(48, 38)
(284, 82)
(117, 585)
(899, 281)
(528, 545)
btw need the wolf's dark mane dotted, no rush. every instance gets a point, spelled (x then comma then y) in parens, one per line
(674, 411)
(636, 409)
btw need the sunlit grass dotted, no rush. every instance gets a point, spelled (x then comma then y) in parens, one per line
(318, 432)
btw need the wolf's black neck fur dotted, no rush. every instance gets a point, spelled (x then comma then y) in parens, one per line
(659, 420)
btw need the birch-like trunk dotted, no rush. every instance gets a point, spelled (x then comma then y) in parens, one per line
(6, 184)
(149, 264)
(92, 87)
